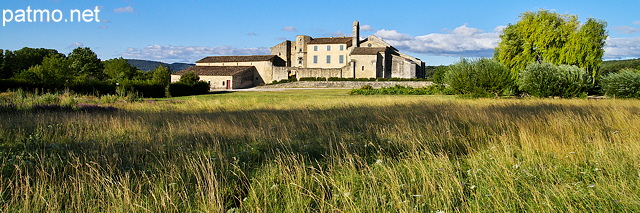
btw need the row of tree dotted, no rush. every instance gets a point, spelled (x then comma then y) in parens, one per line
(550, 37)
(81, 71)
(544, 54)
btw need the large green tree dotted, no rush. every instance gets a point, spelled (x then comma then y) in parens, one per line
(119, 69)
(23, 59)
(85, 63)
(545, 36)
(54, 73)
(189, 78)
(161, 75)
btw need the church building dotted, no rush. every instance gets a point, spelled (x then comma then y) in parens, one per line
(343, 57)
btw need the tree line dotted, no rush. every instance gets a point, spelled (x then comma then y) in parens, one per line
(83, 72)
(544, 54)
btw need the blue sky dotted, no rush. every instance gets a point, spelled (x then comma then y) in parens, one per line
(438, 32)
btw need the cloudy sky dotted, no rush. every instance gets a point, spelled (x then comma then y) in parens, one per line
(438, 32)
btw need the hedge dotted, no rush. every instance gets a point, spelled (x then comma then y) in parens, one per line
(181, 89)
(142, 88)
(625, 84)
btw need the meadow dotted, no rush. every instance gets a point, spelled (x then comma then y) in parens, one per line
(318, 151)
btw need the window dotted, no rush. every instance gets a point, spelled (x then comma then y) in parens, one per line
(222, 83)
(328, 59)
(328, 47)
(300, 60)
(341, 59)
(363, 68)
(341, 47)
(368, 45)
(315, 59)
(315, 48)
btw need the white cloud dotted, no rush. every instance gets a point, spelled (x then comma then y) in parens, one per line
(463, 41)
(627, 29)
(75, 45)
(103, 27)
(336, 34)
(252, 34)
(499, 29)
(187, 54)
(127, 9)
(392, 35)
(622, 48)
(636, 22)
(367, 28)
(289, 29)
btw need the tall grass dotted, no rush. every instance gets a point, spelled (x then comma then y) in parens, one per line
(324, 151)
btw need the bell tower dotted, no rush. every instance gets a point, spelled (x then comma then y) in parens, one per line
(356, 34)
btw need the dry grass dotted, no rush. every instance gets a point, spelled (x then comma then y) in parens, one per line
(324, 151)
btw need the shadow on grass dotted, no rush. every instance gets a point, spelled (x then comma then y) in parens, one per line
(245, 140)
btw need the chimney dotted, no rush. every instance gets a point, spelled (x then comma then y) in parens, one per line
(356, 34)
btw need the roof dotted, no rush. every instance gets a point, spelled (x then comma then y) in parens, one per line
(236, 58)
(331, 40)
(368, 50)
(216, 70)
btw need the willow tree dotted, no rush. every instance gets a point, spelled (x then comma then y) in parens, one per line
(550, 37)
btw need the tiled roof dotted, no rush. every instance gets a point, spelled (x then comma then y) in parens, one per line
(368, 50)
(236, 58)
(331, 40)
(216, 70)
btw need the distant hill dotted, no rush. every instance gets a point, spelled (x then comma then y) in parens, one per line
(146, 65)
(617, 65)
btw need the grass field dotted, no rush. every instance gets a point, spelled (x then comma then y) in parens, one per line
(322, 151)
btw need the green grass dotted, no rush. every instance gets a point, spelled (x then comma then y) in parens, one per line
(323, 151)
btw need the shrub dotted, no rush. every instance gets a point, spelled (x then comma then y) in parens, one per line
(402, 90)
(479, 78)
(10, 84)
(93, 87)
(366, 87)
(189, 78)
(624, 84)
(283, 81)
(313, 79)
(141, 88)
(439, 74)
(544, 80)
(181, 89)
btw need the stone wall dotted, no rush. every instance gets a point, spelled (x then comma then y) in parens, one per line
(280, 73)
(283, 50)
(217, 82)
(318, 72)
(245, 79)
(348, 84)
(366, 66)
(264, 68)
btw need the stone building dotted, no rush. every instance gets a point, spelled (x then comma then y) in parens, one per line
(223, 77)
(347, 57)
(344, 57)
